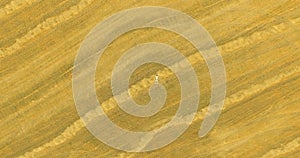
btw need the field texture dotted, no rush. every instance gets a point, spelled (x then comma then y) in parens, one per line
(259, 41)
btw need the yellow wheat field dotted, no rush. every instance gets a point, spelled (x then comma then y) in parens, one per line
(258, 40)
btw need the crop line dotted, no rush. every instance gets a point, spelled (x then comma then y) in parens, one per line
(71, 131)
(48, 24)
(14, 6)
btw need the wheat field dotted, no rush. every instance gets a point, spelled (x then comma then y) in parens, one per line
(258, 40)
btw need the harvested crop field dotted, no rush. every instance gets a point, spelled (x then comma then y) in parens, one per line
(259, 42)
